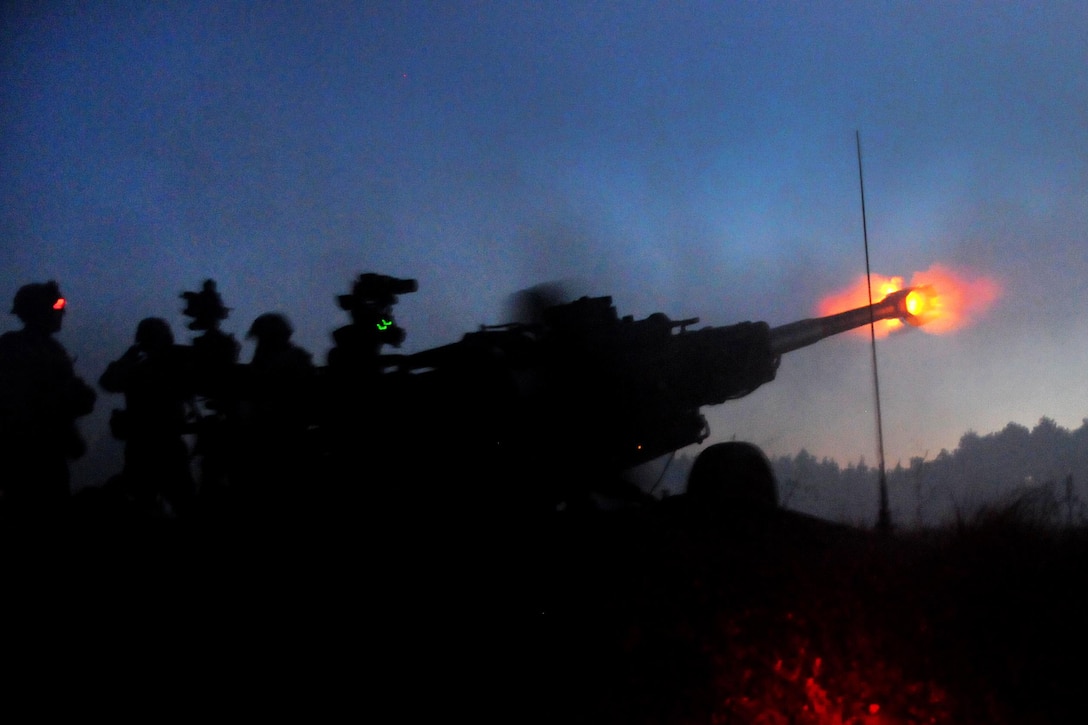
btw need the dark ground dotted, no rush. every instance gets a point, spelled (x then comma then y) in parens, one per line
(656, 614)
(778, 618)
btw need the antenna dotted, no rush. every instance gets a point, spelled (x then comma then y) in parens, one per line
(884, 521)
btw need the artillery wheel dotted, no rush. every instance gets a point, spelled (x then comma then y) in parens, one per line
(733, 474)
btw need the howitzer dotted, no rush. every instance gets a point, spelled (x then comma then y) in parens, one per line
(582, 389)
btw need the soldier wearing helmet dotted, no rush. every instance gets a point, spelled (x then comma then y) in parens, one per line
(214, 356)
(277, 410)
(280, 372)
(40, 399)
(370, 304)
(156, 378)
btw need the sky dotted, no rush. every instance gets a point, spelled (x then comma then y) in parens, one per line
(696, 159)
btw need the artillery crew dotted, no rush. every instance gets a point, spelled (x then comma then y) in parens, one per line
(277, 409)
(214, 360)
(156, 378)
(370, 305)
(254, 424)
(250, 421)
(40, 399)
(364, 411)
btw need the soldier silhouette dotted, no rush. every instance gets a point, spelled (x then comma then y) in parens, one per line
(214, 359)
(364, 409)
(215, 352)
(40, 399)
(156, 378)
(370, 304)
(278, 404)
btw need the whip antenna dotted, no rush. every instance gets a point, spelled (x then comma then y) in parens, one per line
(883, 522)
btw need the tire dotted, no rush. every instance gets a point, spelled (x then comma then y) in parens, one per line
(733, 474)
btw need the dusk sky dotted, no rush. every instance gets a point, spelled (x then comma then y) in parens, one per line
(695, 159)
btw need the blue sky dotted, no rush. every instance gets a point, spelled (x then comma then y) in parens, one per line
(695, 159)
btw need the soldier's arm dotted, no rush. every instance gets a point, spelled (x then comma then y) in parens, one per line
(118, 372)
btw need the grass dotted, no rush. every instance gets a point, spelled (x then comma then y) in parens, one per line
(789, 621)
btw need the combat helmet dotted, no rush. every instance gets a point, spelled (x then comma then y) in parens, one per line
(39, 301)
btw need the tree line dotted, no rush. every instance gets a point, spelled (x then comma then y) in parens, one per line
(1044, 468)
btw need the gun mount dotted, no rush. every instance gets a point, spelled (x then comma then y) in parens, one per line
(580, 391)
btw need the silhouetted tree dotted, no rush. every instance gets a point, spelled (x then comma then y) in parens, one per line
(1010, 465)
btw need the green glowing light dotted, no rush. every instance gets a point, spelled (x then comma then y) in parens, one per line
(383, 324)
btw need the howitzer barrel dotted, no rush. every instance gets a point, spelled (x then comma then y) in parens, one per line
(906, 304)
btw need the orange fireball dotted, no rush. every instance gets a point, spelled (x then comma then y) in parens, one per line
(944, 301)
(958, 300)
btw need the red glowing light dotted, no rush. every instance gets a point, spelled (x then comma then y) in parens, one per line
(854, 686)
(59, 304)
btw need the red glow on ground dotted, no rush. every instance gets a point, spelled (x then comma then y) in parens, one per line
(782, 680)
(957, 300)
